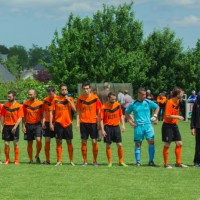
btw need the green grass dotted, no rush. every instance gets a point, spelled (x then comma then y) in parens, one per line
(66, 182)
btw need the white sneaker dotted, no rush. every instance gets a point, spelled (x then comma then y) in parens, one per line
(168, 166)
(181, 165)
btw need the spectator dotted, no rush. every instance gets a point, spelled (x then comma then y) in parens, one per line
(161, 100)
(192, 97)
(120, 97)
(127, 100)
(149, 95)
(103, 95)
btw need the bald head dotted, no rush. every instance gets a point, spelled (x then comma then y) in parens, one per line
(32, 95)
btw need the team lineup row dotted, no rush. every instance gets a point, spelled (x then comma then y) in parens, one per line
(53, 115)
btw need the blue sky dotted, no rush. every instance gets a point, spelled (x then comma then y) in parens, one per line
(27, 22)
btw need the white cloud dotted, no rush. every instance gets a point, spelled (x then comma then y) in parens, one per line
(186, 21)
(77, 7)
(57, 9)
(30, 3)
(41, 3)
(182, 2)
(141, 1)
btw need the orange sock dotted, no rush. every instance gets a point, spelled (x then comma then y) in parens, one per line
(7, 151)
(30, 151)
(47, 150)
(109, 154)
(38, 147)
(16, 151)
(120, 154)
(178, 151)
(70, 151)
(84, 152)
(59, 152)
(165, 154)
(95, 152)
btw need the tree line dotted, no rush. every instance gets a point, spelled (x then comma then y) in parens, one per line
(110, 46)
(18, 58)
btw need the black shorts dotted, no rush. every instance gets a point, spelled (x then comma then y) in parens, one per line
(7, 135)
(33, 131)
(63, 133)
(47, 132)
(113, 134)
(88, 129)
(170, 133)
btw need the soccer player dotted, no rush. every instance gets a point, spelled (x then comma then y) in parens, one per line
(63, 106)
(142, 124)
(11, 116)
(32, 124)
(111, 116)
(170, 131)
(88, 109)
(48, 134)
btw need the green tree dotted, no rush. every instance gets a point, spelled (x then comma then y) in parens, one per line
(20, 51)
(97, 48)
(36, 54)
(4, 49)
(165, 53)
(192, 65)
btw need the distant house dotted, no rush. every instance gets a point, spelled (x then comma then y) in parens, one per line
(5, 75)
(38, 72)
(39, 68)
(32, 71)
(27, 73)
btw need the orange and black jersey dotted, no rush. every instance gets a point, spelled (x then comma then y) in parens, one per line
(88, 108)
(47, 104)
(33, 111)
(62, 110)
(172, 108)
(110, 114)
(12, 113)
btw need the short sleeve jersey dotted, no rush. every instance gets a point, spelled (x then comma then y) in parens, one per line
(171, 108)
(12, 113)
(62, 110)
(141, 110)
(33, 111)
(88, 108)
(110, 114)
(47, 104)
(161, 100)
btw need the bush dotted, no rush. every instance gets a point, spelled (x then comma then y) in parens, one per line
(23, 86)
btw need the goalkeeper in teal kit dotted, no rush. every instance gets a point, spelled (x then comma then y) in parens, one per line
(142, 123)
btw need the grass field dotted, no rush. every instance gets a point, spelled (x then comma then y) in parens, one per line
(66, 182)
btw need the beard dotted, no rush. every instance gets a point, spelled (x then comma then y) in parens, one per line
(63, 95)
(11, 100)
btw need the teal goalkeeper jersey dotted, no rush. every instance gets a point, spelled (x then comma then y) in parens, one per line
(141, 111)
